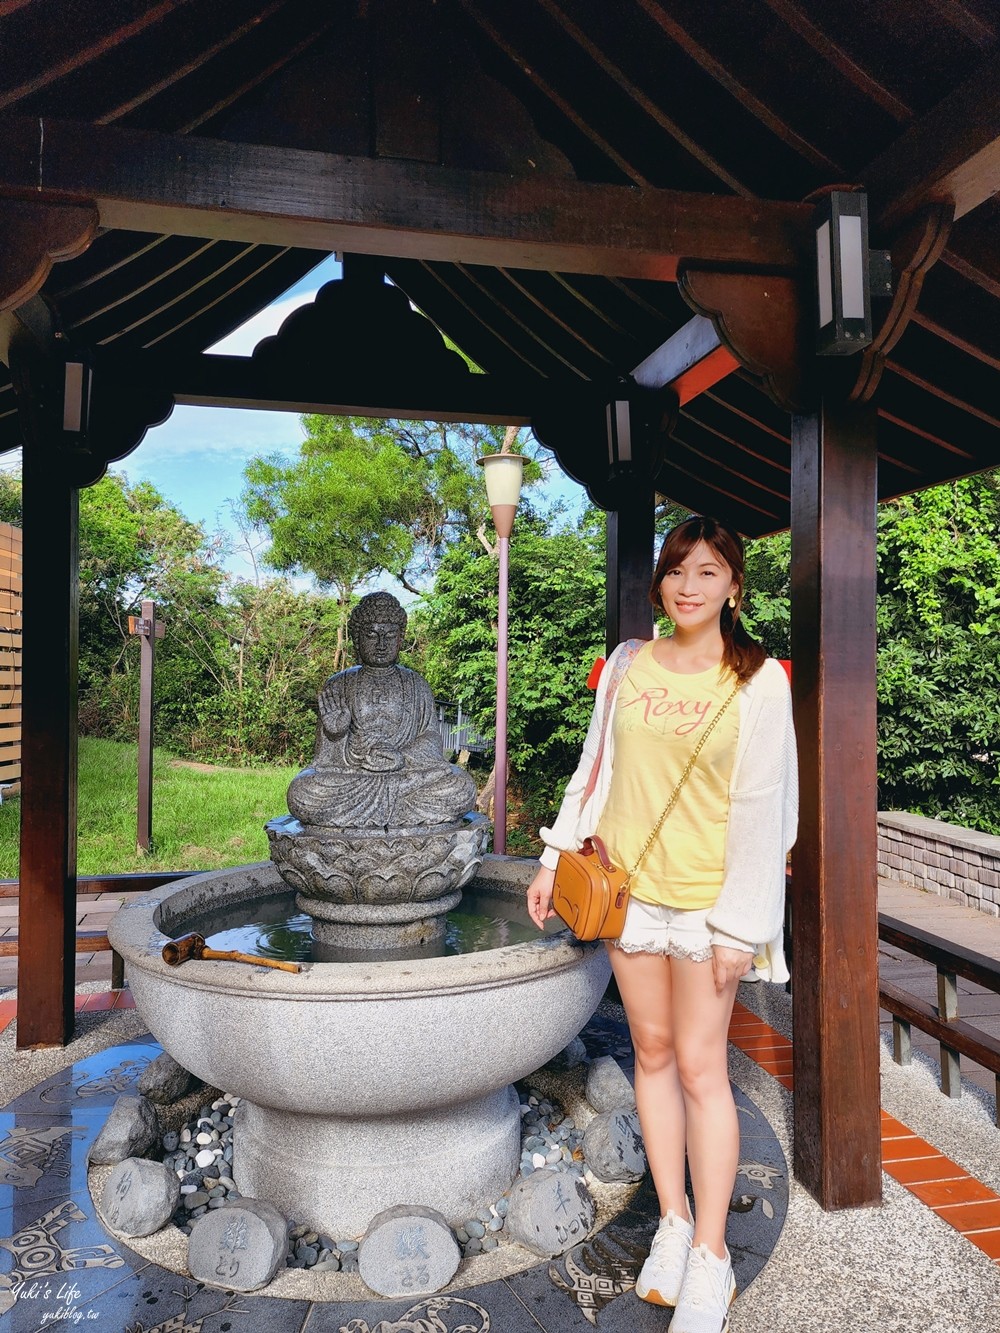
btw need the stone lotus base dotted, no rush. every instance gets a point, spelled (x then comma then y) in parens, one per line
(359, 880)
(401, 1062)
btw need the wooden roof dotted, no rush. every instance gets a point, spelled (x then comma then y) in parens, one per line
(763, 99)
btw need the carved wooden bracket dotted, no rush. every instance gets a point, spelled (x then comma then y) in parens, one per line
(571, 420)
(125, 403)
(33, 237)
(915, 250)
(760, 320)
(353, 329)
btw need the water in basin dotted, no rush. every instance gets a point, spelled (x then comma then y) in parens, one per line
(273, 927)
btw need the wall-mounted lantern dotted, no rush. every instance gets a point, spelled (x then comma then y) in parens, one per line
(621, 456)
(77, 382)
(843, 287)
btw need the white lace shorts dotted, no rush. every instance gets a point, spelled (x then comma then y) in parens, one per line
(676, 932)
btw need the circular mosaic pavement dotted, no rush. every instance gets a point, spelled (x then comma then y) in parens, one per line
(59, 1266)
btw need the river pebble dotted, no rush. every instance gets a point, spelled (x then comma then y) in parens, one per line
(201, 1154)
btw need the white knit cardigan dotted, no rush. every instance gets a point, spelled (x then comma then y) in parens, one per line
(763, 813)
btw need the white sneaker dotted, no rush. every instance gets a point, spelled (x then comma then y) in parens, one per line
(707, 1292)
(662, 1273)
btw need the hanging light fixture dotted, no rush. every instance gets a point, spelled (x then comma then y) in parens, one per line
(843, 289)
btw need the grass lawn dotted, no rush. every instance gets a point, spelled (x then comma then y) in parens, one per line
(203, 817)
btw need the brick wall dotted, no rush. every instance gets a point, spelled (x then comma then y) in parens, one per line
(953, 862)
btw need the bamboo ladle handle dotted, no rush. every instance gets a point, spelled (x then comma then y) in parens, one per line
(193, 946)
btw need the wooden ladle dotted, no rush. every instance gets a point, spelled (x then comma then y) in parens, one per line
(194, 946)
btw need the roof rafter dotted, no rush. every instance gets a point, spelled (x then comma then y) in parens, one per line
(952, 152)
(825, 46)
(94, 51)
(476, 314)
(738, 90)
(641, 99)
(546, 89)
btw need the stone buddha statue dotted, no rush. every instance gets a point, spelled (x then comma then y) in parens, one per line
(379, 761)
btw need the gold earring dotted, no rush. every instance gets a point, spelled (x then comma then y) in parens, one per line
(732, 603)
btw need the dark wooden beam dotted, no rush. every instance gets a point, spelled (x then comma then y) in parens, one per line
(951, 153)
(238, 381)
(93, 886)
(689, 362)
(188, 186)
(834, 894)
(629, 613)
(47, 910)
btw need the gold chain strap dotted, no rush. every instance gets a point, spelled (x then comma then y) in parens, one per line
(677, 790)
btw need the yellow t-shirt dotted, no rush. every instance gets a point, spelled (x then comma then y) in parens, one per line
(658, 719)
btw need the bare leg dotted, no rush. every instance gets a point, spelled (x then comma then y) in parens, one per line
(701, 1025)
(644, 983)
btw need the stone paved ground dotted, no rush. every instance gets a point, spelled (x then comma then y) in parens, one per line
(928, 1258)
(49, 1227)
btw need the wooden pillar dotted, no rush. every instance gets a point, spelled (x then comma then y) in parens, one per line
(835, 904)
(46, 973)
(630, 567)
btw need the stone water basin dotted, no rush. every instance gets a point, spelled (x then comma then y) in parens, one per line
(364, 1084)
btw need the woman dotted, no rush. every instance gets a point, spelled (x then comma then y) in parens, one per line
(707, 903)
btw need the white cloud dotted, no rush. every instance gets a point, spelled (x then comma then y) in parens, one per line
(213, 432)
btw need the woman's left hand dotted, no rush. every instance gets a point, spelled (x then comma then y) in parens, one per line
(729, 965)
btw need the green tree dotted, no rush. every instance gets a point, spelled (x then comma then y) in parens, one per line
(267, 649)
(367, 498)
(10, 498)
(134, 545)
(939, 652)
(938, 621)
(556, 630)
(767, 601)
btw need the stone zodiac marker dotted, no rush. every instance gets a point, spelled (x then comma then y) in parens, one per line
(381, 837)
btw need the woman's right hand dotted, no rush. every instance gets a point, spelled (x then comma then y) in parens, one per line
(540, 897)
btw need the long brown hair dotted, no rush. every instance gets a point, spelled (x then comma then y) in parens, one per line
(742, 655)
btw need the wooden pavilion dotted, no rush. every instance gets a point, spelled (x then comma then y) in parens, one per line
(602, 204)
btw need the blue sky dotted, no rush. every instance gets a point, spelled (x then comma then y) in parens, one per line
(196, 458)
